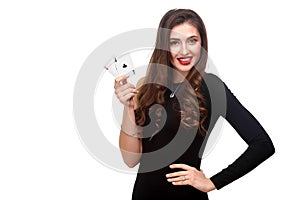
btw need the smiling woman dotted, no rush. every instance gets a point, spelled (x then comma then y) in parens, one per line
(178, 62)
(185, 47)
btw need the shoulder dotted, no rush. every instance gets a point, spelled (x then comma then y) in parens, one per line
(214, 83)
(217, 92)
(210, 78)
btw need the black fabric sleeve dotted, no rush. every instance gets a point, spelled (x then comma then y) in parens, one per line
(260, 146)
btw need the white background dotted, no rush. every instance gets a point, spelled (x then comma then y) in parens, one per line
(43, 44)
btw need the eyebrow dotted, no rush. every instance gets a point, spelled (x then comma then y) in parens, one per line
(187, 38)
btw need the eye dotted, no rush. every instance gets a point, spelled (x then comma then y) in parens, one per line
(174, 42)
(192, 41)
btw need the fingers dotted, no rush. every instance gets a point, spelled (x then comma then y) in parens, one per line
(176, 174)
(124, 90)
(125, 94)
(190, 176)
(178, 178)
(182, 166)
(181, 177)
(121, 80)
(185, 182)
(121, 77)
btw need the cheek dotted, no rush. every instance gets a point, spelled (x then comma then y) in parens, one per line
(174, 51)
(173, 56)
(196, 51)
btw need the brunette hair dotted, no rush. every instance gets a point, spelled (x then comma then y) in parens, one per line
(151, 93)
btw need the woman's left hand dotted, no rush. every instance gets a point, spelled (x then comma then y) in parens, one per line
(190, 176)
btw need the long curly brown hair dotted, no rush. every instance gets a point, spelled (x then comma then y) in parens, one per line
(158, 76)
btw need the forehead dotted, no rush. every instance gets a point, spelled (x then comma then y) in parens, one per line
(184, 30)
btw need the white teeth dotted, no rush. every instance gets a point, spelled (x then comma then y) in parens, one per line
(185, 59)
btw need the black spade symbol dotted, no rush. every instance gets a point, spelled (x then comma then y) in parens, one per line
(124, 65)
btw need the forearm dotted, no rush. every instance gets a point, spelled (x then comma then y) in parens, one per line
(250, 159)
(129, 141)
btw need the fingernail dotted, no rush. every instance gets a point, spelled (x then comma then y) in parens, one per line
(171, 166)
(167, 175)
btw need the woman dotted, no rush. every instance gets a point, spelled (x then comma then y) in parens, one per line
(176, 102)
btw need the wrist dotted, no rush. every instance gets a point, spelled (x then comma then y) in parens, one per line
(128, 125)
(131, 131)
(210, 185)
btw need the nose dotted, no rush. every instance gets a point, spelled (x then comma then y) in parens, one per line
(184, 49)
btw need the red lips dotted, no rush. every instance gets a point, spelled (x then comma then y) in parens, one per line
(185, 60)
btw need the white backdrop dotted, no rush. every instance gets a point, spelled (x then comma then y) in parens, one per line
(44, 44)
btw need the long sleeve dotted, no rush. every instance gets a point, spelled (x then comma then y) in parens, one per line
(260, 146)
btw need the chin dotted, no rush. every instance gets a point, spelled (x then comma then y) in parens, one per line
(184, 68)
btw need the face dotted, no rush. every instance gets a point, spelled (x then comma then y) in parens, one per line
(185, 47)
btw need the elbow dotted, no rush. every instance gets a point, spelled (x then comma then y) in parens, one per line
(271, 149)
(264, 147)
(130, 164)
(131, 159)
(268, 149)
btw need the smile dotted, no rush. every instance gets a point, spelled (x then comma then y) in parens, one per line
(185, 60)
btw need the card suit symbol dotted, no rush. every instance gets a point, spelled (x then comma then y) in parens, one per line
(124, 65)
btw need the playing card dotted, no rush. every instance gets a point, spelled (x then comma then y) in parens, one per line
(121, 65)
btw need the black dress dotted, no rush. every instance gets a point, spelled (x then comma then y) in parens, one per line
(160, 150)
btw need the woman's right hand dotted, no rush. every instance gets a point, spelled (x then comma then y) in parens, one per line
(129, 142)
(125, 91)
